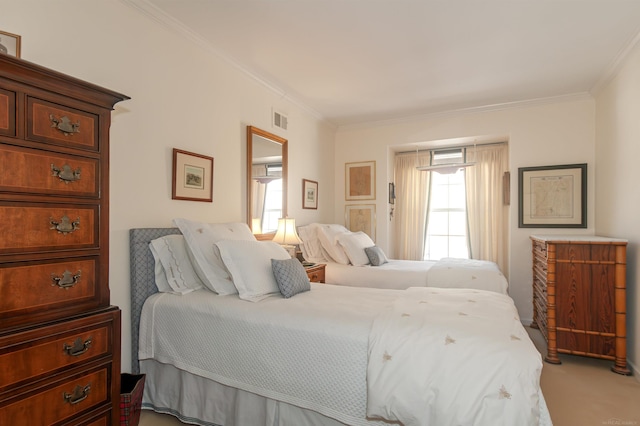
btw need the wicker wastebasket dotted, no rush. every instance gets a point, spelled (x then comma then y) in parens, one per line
(131, 389)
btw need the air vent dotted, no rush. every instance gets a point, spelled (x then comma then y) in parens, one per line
(280, 120)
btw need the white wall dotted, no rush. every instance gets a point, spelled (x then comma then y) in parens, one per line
(617, 176)
(182, 97)
(553, 133)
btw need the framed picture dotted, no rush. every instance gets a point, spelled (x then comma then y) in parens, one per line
(392, 193)
(360, 181)
(192, 176)
(309, 194)
(361, 217)
(553, 196)
(10, 44)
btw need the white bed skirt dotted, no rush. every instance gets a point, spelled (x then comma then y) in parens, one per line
(201, 401)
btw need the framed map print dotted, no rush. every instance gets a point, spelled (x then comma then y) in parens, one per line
(360, 181)
(553, 196)
(361, 217)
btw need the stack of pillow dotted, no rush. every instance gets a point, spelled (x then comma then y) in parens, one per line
(335, 243)
(227, 259)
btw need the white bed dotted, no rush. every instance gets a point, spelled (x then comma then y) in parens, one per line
(308, 360)
(348, 263)
(402, 274)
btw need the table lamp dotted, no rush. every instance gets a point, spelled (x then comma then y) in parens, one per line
(287, 236)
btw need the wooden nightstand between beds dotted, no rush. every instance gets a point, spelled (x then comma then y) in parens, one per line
(315, 273)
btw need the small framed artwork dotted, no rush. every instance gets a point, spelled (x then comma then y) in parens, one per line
(360, 181)
(553, 196)
(10, 44)
(392, 193)
(192, 176)
(361, 217)
(309, 194)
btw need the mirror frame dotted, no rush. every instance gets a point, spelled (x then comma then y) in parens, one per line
(251, 131)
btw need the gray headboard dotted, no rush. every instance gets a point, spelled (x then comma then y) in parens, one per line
(142, 279)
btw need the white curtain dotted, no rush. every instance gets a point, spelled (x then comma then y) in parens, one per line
(486, 213)
(411, 207)
(259, 190)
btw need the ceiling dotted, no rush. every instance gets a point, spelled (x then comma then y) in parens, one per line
(355, 61)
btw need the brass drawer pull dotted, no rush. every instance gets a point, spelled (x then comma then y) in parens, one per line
(78, 348)
(64, 124)
(66, 280)
(79, 394)
(65, 174)
(65, 226)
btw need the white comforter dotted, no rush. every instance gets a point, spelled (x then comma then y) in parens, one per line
(402, 274)
(312, 350)
(395, 274)
(467, 273)
(453, 357)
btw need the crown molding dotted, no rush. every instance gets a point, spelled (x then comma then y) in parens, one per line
(616, 65)
(581, 96)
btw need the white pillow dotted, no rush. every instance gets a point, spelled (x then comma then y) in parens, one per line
(200, 238)
(174, 272)
(354, 244)
(249, 263)
(327, 234)
(311, 246)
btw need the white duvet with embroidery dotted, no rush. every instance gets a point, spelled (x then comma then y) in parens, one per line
(451, 272)
(453, 357)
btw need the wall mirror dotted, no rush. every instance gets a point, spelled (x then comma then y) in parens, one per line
(266, 181)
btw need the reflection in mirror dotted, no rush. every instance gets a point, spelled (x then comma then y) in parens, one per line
(266, 180)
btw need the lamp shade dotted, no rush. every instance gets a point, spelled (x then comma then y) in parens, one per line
(286, 233)
(256, 225)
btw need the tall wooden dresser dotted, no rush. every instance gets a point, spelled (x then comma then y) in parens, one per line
(59, 337)
(579, 296)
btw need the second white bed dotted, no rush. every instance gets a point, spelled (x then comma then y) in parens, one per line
(402, 274)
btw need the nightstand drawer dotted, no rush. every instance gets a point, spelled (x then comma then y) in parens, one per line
(61, 125)
(315, 273)
(49, 173)
(40, 353)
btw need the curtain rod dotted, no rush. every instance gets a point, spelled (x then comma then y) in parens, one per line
(445, 148)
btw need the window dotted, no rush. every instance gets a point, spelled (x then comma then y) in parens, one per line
(447, 217)
(272, 200)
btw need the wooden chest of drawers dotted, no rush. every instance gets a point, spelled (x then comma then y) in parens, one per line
(579, 296)
(59, 336)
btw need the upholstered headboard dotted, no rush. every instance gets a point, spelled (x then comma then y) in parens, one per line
(142, 279)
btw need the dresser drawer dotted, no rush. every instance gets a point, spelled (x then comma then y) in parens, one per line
(102, 418)
(49, 173)
(28, 227)
(7, 113)
(56, 124)
(59, 401)
(26, 289)
(40, 353)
